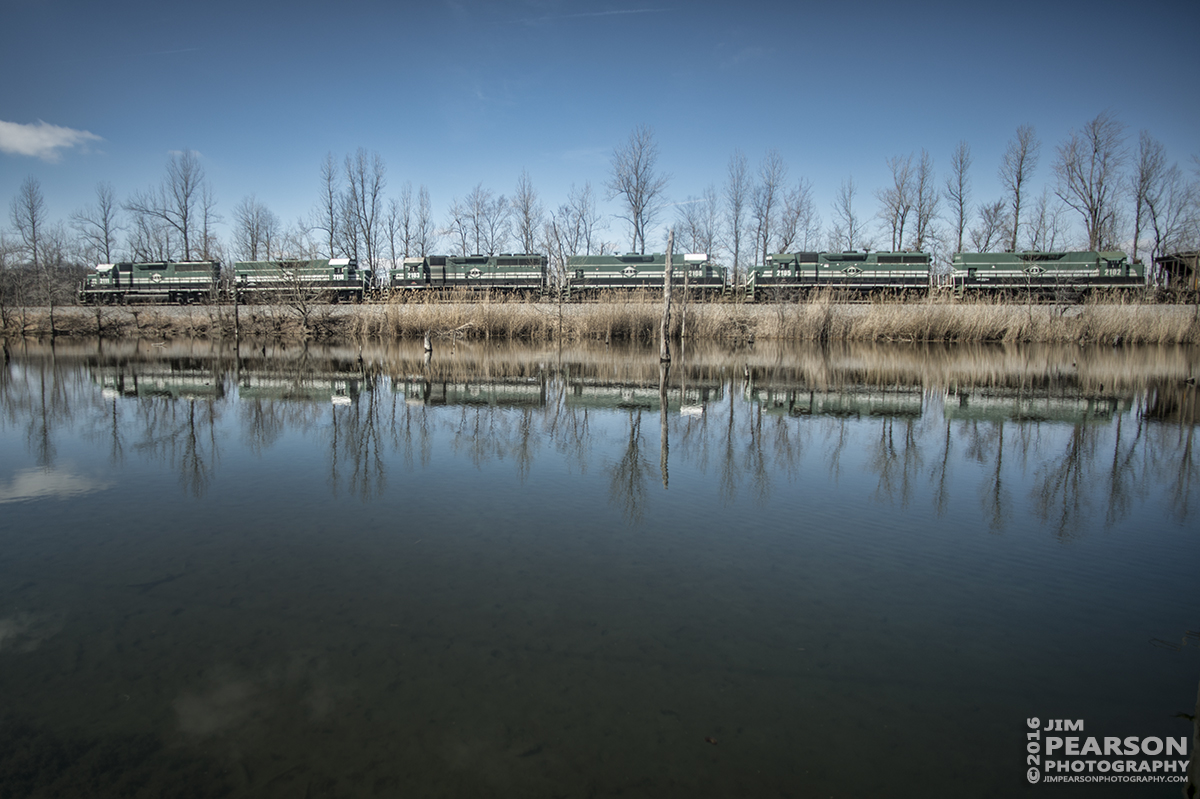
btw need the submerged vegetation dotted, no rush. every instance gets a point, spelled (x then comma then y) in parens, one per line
(636, 317)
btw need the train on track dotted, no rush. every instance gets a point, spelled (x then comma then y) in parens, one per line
(528, 273)
(782, 276)
(334, 279)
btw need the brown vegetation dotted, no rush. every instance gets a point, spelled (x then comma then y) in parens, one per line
(636, 316)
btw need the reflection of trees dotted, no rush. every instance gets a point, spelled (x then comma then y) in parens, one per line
(941, 489)
(1122, 478)
(754, 455)
(411, 432)
(986, 453)
(1180, 488)
(729, 459)
(895, 466)
(356, 437)
(627, 477)
(1060, 483)
(183, 436)
(570, 427)
(985, 446)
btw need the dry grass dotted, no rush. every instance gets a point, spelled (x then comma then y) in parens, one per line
(635, 316)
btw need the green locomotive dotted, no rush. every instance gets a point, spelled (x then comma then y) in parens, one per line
(631, 271)
(332, 278)
(506, 272)
(1045, 271)
(795, 272)
(160, 281)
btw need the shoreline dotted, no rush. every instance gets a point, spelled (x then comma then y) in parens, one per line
(816, 320)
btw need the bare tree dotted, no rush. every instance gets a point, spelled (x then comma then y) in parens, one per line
(588, 218)
(28, 215)
(176, 202)
(458, 226)
(484, 219)
(57, 272)
(327, 216)
(765, 201)
(1152, 164)
(799, 224)
(1046, 229)
(9, 284)
(1088, 169)
(896, 201)
(1016, 168)
(571, 230)
(150, 239)
(256, 231)
(396, 223)
(1171, 204)
(737, 197)
(98, 226)
(45, 249)
(210, 245)
(927, 202)
(993, 224)
(402, 223)
(365, 181)
(958, 192)
(634, 179)
(848, 229)
(425, 234)
(697, 222)
(528, 212)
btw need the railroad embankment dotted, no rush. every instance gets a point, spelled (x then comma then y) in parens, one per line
(636, 318)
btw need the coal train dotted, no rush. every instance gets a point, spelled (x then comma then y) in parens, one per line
(781, 276)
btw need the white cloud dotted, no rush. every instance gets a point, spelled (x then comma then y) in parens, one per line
(48, 484)
(41, 140)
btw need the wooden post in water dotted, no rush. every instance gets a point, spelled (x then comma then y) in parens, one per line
(664, 346)
(664, 444)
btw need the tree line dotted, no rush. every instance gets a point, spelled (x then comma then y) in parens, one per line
(1105, 193)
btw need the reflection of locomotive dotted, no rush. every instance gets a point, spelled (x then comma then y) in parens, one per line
(208, 381)
(514, 392)
(581, 392)
(997, 404)
(331, 279)
(851, 401)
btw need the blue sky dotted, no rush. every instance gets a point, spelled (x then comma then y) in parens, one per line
(453, 93)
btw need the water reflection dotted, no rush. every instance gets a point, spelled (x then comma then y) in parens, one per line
(511, 570)
(1057, 429)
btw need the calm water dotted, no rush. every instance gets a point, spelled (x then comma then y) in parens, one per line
(521, 571)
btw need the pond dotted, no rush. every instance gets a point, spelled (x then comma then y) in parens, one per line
(510, 570)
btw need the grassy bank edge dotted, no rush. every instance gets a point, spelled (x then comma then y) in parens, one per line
(818, 320)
